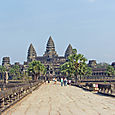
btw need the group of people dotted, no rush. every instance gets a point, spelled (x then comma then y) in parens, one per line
(64, 81)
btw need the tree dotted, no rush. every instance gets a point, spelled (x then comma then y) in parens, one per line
(2, 71)
(35, 69)
(110, 70)
(67, 69)
(25, 75)
(79, 63)
(12, 73)
(15, 72)
(76, 64)
(89, 71)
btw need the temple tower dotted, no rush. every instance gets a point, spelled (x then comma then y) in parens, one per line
(50, 49)
(68, 51)
(92, 63)
(6, 62)
(31, 54)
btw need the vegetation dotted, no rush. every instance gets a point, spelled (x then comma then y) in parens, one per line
(2, 71)
(26, 77)
(67, 69)
(102, 65)
(36, 68)
(76, 65)
(110, 71)
(14, 72)
(89, 71)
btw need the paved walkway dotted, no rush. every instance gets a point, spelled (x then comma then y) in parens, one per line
(52, 99)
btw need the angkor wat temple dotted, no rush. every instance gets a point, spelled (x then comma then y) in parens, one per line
(50, 58)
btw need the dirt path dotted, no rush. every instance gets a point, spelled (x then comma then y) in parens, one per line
(52, 99)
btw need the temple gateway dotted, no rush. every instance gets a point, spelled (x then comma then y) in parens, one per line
(50, 58)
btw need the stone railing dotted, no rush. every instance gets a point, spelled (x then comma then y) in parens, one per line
(100, 87)
(98, 78)
(10, 96)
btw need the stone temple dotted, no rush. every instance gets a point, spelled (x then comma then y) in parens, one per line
(50, 58)
(52, 61)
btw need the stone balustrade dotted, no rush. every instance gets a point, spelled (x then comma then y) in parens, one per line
(10, 96)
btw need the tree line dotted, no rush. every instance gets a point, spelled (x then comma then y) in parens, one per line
(33, 71)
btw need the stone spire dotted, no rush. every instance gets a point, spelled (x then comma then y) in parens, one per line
(50, 43)
(68, 51)
(50, 49)
(31, 54)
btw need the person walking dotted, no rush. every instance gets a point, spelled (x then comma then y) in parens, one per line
(61, 81)
(55, 81)
(69, 82)
(65, 81)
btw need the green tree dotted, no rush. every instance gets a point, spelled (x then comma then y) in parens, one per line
(67, 69)
(12, 73)
(36, 68)
(76, 64)
(25, 76)
(2, 71)
(110, 70)
(15, 72)
(79, 63)
(89, 71)
(82, 69)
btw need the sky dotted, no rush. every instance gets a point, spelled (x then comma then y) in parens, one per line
(88, 25)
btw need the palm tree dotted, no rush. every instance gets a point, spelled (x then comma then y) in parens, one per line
(2, 71)
(35, 69)
(89, 71)
(79, 62)
(67, 69)
(76, 64)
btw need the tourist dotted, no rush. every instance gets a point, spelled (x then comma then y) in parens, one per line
(61, 81)
(48, 80)
(69, 82)
(55, 80)
(65, 81)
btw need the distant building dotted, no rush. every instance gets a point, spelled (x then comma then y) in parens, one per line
(92, 63)
(6, 62)
(97, 72)
(50, 58)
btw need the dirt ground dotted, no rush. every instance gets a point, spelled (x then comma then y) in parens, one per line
(52, 99)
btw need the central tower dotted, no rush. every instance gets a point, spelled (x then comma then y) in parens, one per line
(50, 49)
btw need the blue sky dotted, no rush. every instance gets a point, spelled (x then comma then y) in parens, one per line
(88, 25)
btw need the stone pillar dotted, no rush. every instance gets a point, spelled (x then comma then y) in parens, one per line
(6, 77)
